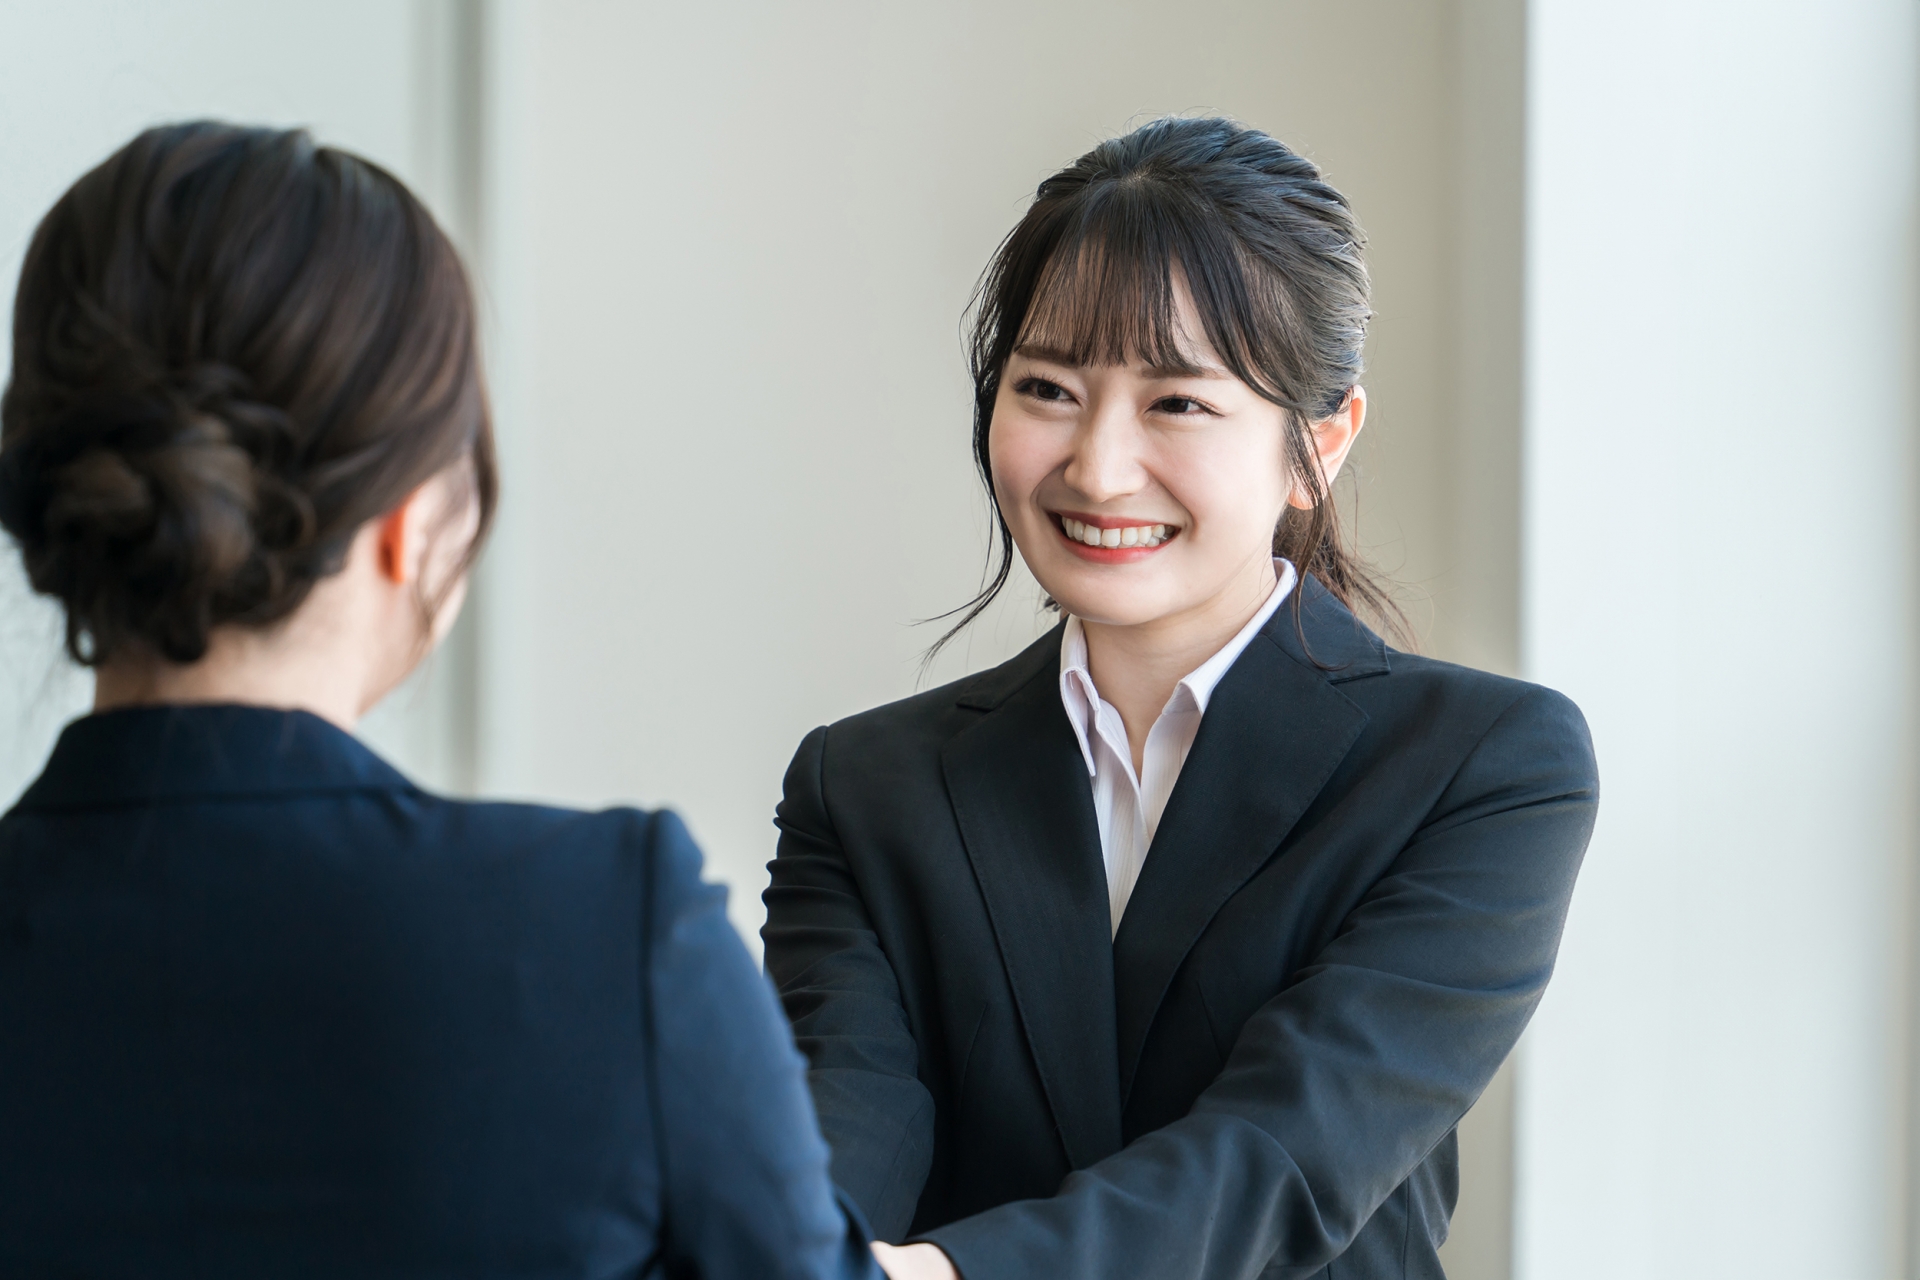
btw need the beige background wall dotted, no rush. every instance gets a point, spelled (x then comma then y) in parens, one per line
(740, 468)
(737, 419)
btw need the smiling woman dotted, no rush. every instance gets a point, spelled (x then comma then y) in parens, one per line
(1177, 945)
(1175, 469)
(1242, 281)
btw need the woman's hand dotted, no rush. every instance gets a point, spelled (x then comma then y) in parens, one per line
(914, 1262)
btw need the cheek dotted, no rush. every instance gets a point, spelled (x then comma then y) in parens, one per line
(449, 610)
(1020, 457)
(448, 539)
(1233, 489)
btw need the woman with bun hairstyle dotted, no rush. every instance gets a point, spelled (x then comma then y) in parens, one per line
(1177, 945)
(266, 1007)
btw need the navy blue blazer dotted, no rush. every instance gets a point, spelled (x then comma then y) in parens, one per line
(266, 1008)
(1349, 910)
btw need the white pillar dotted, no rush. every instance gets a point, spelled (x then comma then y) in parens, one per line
(1719, 568)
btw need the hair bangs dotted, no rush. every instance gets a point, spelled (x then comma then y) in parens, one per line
(1107, 291)
(1107, 297)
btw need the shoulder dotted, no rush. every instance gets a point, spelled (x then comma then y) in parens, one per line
(1418, 677)
(927, 719)
(889, 758)
(1513, 725)
(508, 825)
(1414, 676)
(1416, 702)
(622, 845)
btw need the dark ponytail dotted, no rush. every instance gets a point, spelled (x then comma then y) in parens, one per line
(231, 349)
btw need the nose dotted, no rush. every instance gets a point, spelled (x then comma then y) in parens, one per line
(1106, 463)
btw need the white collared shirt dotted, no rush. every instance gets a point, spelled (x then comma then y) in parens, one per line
(1129, 807)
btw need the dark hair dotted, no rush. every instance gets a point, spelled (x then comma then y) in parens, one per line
(1272, 257)
(231, 349)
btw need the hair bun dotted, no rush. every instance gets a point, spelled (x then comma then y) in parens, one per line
(145, 517)
(231, 349)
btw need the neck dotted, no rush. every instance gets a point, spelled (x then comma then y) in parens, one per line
(1137, 666)
(309, 662)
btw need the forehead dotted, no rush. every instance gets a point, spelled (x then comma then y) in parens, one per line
(1091, 307)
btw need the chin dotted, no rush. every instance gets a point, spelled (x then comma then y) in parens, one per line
(1121, 608)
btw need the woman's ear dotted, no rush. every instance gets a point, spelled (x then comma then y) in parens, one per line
(1333, 438)
(398, 541)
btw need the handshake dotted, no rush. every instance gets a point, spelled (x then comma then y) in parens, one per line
(914, 1262)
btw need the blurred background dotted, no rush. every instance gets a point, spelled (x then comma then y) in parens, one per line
(1642, 429)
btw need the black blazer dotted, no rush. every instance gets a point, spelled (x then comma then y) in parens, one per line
(1349, 911)
(267, 1009)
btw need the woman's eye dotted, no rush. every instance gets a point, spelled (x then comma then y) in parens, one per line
(1041, 389)
(1180, 406)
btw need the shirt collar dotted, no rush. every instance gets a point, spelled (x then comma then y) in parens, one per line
(1077, 691)
(1201, 680)
(1076, 687)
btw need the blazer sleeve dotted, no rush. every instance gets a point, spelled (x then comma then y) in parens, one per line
(1340, 1085)
(844, 1002)
(746, 1191)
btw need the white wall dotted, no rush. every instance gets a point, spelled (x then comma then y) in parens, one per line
(80, 78)
(1720, 570)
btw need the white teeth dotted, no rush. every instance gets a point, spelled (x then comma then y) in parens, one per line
(1133, 535)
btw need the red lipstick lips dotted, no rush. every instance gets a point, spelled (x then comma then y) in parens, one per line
(1112, 539)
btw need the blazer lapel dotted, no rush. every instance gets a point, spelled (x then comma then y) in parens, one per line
(1020, 794)
(1274, 730)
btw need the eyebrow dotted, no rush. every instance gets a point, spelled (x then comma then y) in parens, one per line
(1056, 355)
